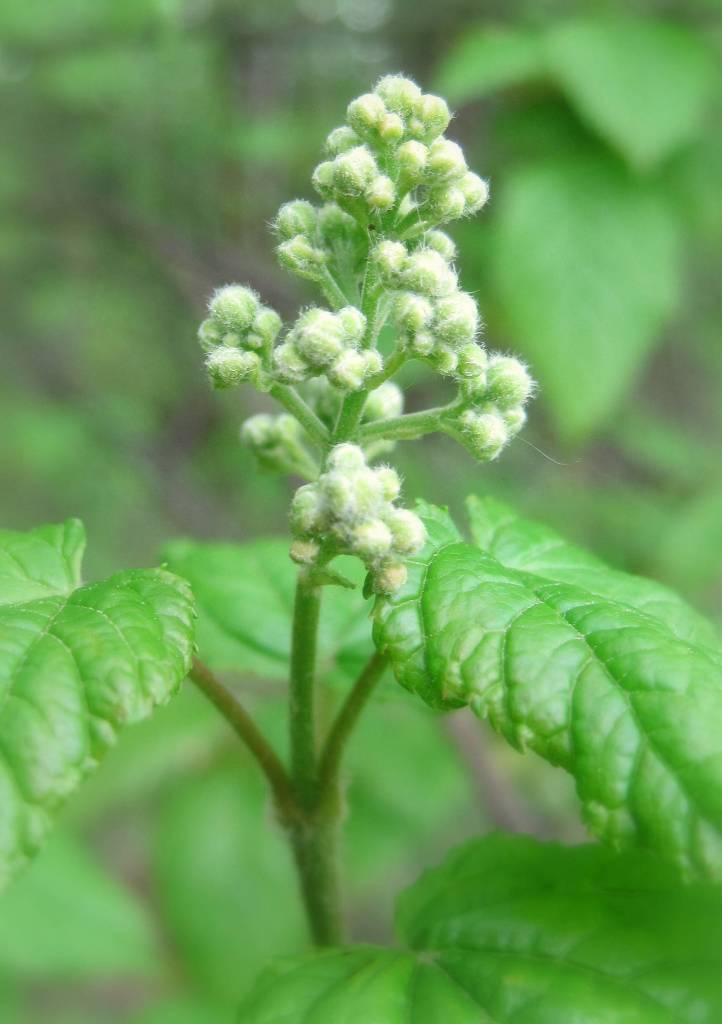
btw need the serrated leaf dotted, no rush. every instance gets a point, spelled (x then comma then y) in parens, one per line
(67, 917)
(510, 930)
(245, 598)
(585, 272)
(604, 674)
(641, 83)
(76, 665)
(489, 58)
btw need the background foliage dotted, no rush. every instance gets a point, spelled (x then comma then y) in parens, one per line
(148, 143)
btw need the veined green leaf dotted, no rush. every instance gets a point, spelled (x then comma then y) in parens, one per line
(510, 930)
(611, 677)
(76, 664)
(245, 599)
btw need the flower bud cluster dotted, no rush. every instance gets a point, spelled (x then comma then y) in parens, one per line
(351, 508)
(392, 156)
(495, 389)
(276, 441)
(312, 238)
(329, 343)
(236, 335)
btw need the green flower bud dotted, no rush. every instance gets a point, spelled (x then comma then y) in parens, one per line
(354, 171)
(390, 578)
(485, 433)
(335, 225)
(446, 161)
(228, 367)
(441, 242)
(390, 259)
(341, 139)
(346, 457)
(208, 335)
(444, 359)
(407, 530)
(456, 319)
(433, 115)
(413, 312)
(319, 336)
(322, 178)
(390, 128)
(368, 493)
(304, 552)
(300, 257)
(447, 204)
(422, 343)
(308, 511)
(259, 431)
(366, 113)
(399, 94)
(233, 308)
(472, 364)
(296, 218)
(353, 322)
(266, 327)
(389, 482)
(289, 365)
(351, 369)
(428, 273)
(475, 191)
(383, 403)
(412, 158)
(515, 418)
(340, 499)
(508, 381)
(371, 540)
(381, 194)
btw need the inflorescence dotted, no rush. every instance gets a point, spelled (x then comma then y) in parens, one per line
(375, 248)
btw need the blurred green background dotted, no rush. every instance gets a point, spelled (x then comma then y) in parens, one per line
(146, 145)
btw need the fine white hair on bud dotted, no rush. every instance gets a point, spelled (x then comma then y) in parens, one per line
(441, 242)
(308, 511)
(354, 171)
(346, 457)
(233, 307)
(228, 367)
(381, 194)
(300, 257)
(348, 371)
(390, 259)
(428, 273)
(383, 403)
(485, 434)
(289, 365)
(371, 540)
(319, 337)
(322, 178)
(390, 578)
(365, 113)
(475, 191)
(422, 343)
(341, 139)
(456, 319)
(447, 204)
(515, 418)
(208, 335)
(508, 381)
(353, 322)
(298, 217)
(304, 552)
(407, 530)
(413, 312)
(412, 158)
(259, 431)
(446, 162)
(444, 359)
(399, 93)
(391, 128)
(433, 115)
(473, 361)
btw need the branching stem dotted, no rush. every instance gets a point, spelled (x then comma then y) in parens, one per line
(308, 419)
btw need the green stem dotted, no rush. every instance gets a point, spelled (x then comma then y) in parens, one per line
(332, 290)
(407, 427)
(308, 419)
(307, 608)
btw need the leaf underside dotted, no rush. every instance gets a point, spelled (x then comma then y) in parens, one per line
(76, 664)
(610, 676)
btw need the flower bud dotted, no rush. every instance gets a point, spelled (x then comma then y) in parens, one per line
(371, 540)
(428, 273)
(342, 139)
(308, 512)
(353, 171)
(399, 94)
(389, 482)
(335, 225)
(340, 498)
(266, 327)
(208, 335)
(390, 128)
(447, 204)
(472, 364)
(390, 258)
(444, 359)
(446, 161)
(346, 457)
(289, 365)
(441, 242)
(233, 308)
(413, 312)
(295, 218)
(407, 530)
(381, 194)
(508, 381)
(433, 115)
(412, 157)
(322, 178)
(383, 403)
(228, 367)
(300, 257)
(366, 113)
(353, 322)
(485, 433)
(422, 343)
(304, 552)
(456, 319)
(368, 493)
(390, 578)
(515, 418)
(350, 370)
(319, 337)
(259, 431)
(475, 191)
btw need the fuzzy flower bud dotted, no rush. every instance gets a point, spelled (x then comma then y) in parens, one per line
(399, 94)
(353, 322)
(346, 457)
(433, 116)
(341, 139)
(456, 319)
(444, 359)
(485, 433)
(295, 218)
(509, 382)
(304, 552)
(300, 257)
(366, 113)
(472, 364)
(390, 482)
(407, 530)
(390, 259)
(475, 191)
(233, 308)
(441, 242)
(354, 171)
(383, 403)
(412, 157)
(390, 128)
(447, 204)
(428, 273)
(228, 367)
(390, 578)
(289, 365)
(413, 312)
(319, 336)
(351, 369)
(208, 335)
(322, 178)
(265, 328)
(307, 515)
(381, 194)
(446, 161)
(515, 418)
(371, 540)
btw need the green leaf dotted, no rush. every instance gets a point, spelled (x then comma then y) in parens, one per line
(488, 58)
(609, 676)
(76, 665)
(585, 273)
(66, 917)
(510, 930)
(641, 83)
(245, 598)
(226, 881)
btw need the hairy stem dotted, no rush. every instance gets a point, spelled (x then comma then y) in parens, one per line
(307, 607)
(308, 419)
(407, 427)
(244, 726)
